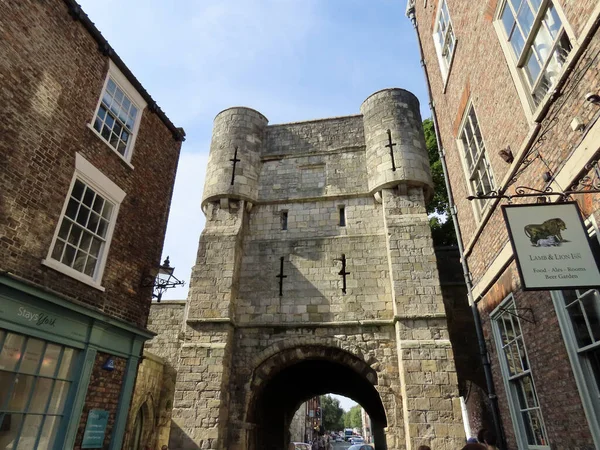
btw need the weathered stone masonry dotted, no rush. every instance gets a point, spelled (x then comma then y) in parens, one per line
(240, 337)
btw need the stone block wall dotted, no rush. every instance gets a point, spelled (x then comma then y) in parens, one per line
(153, 399)
(388, 329)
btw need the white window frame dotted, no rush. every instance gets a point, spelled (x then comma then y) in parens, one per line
(509, 384)
(516, 64)
(134, 96)
(584, 380)
(445, 57)
(479, 206)
(91, 176)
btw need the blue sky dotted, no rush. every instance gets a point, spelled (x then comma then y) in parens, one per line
(291, 60)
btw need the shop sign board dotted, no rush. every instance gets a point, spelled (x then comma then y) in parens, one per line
(95, 429)
(551, 246)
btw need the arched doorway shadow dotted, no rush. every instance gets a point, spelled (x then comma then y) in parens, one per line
(289, 378)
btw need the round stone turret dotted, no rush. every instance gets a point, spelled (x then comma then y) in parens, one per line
(234, 159)
(392, 120)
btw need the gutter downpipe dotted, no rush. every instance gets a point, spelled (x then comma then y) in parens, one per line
(410, 12)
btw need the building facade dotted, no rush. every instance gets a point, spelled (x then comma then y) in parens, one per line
(88, 164)
(514, 94)
(315, 274)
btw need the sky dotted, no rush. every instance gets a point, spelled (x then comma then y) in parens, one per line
(292, 60)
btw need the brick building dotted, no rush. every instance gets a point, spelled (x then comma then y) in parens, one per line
(88, 162)
(509, 83)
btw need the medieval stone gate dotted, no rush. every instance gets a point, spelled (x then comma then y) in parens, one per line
(315, 273)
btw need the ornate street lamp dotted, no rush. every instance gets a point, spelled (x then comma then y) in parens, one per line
(162, 279)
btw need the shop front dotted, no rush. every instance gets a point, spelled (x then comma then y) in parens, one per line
(62, 367)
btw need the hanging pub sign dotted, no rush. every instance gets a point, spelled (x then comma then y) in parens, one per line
(551, 246)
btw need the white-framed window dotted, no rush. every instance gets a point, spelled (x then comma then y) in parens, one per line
(82, 238)
(475, 161)
(578, 313)
(525, 410)
(444, 39)
(118, 113)
(536, 42)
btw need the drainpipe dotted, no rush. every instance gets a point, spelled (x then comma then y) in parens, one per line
(410, 12)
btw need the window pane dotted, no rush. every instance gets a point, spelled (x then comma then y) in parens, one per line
(88, 197)
(110, 87)
(67, 363)
(72, 208)
(86, 240)
(29, 433)
(102, 227)
(521, 353)
(6, 379)
(50, 360)
(105, 132)
(82, 216)
(593, 358)
(528, 392)
(9, 428)
(41, 393)
(11, 351)
(543, 44)
(48, 435)
(579, 325)
(591, 305)
(59, 395)
(32, 356)
(532, 67)
(21, 389)
(517, 41)
(75, 235)
(90, 266)
(508, 19)
(525, 18)
(107, 211)
(79, 263)
(78, 189)
(69, 255)
(553, 21)
(95, 247)
(537, 428)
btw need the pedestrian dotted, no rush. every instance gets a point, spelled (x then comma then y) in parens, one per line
(489, 439)
(474, 446)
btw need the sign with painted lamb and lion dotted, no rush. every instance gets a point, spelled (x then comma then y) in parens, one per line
(551, 246)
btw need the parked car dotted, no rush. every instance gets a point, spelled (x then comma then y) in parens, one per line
(299, 446)
(360, 447)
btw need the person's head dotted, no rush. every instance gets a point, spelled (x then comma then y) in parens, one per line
(424, 447)
(489, 437)
(474, 447)
(480, 434)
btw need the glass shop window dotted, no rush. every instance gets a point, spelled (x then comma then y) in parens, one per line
(35, 378)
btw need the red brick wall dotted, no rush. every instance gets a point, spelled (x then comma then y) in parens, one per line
(103, 393)
(52, 74)
(480, 67)
(550, 366)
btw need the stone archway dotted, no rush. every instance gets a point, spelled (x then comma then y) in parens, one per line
(288, 378)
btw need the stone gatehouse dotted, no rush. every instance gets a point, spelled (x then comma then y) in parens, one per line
(315, 273)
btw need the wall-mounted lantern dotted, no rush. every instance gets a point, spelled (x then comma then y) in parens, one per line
(162, 279)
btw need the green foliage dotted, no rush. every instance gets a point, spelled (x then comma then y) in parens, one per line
(442, 228)
(353, 419)
(332, 413)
